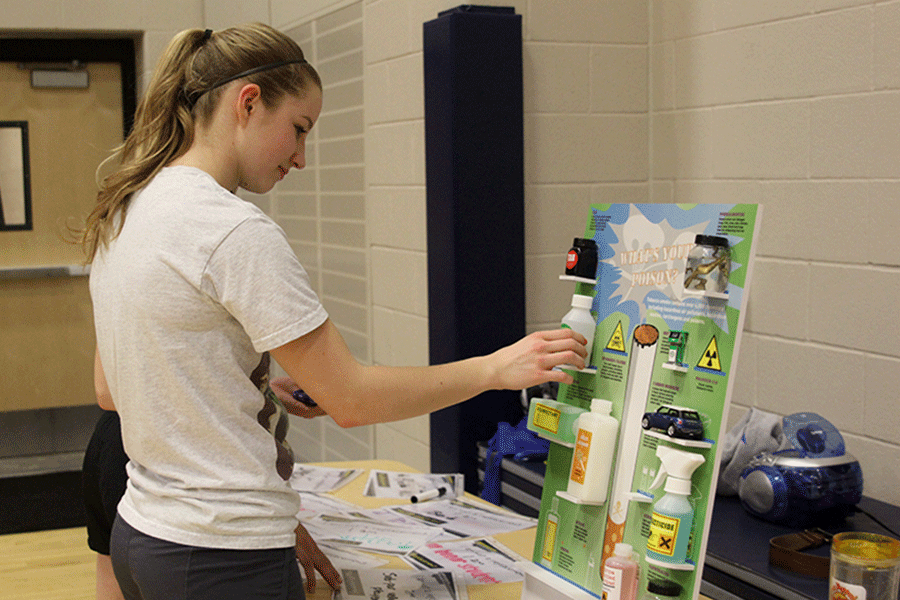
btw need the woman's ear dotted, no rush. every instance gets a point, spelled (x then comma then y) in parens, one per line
(247, 99)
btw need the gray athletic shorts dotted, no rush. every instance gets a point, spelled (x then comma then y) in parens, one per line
(151, 569)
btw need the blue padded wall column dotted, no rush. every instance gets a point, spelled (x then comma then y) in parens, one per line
(475, 208)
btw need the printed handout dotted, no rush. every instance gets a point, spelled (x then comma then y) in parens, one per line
(481, 561)
(399, 584)
(373, 536)
(311, 478)
(312, 505)
(394, 484)
(467, 519)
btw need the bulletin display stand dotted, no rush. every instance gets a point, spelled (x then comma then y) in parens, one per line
(659, 347)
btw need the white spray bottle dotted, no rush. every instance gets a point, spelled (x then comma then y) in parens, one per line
(673, 514)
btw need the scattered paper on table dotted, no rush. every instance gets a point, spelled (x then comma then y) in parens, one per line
(466, 519)
(395, 484)
(398, 584)
(312, 478)
(398, 516)
(344, 557)
(312, 505)
(481, 561)
(427, 535)
(369, 535)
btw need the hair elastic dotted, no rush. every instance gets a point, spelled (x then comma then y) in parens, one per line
(192, 99)
(206, 35)
(267, 67)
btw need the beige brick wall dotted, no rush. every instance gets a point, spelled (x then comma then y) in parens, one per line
(586, 139)
(794, 105)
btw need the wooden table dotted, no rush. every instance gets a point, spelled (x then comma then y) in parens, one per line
(57, 564)
(521, 541)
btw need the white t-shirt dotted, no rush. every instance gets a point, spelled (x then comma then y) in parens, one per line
(196, 287)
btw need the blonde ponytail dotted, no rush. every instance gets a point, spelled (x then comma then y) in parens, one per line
(184, 91)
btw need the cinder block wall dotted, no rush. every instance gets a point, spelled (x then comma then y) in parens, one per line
(791, 104)
(586, 140)
(795, 105)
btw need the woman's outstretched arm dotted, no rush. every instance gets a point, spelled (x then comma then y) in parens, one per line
(354, 394)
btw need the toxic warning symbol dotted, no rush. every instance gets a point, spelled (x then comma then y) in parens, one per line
(710, 359)
(663, 534)
(617, 341)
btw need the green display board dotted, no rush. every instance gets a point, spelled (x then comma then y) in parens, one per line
(659, 348)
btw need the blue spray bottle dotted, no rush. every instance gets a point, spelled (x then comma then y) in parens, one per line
(673, 514)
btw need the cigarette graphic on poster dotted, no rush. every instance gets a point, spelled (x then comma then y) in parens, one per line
(640, 373)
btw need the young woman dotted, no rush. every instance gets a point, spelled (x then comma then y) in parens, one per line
(104, 478)
(194, 289)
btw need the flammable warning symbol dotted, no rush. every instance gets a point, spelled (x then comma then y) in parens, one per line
(710, 359)
(617, 341)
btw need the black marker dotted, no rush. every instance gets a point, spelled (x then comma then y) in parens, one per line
(301, 397)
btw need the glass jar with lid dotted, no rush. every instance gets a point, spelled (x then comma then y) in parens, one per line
(581, 260)
(708, 265)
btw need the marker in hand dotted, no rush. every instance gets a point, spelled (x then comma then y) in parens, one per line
(303, 398)
(428, 495)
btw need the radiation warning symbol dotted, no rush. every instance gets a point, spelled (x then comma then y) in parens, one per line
(710, 359)
(617, 341)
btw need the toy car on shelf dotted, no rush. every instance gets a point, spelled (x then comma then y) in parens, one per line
(676, 421)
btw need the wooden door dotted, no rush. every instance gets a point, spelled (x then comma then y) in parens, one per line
(46, 323)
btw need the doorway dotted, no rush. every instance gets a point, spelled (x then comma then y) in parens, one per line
(47, 346)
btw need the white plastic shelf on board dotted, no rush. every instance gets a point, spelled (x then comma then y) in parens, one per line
(575, 500)
(541, 584)
(707, 294)
(681, 441)
(578, 279)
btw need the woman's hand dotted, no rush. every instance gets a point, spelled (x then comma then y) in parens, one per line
(312, 559)
(532, 360)
(284, 387)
